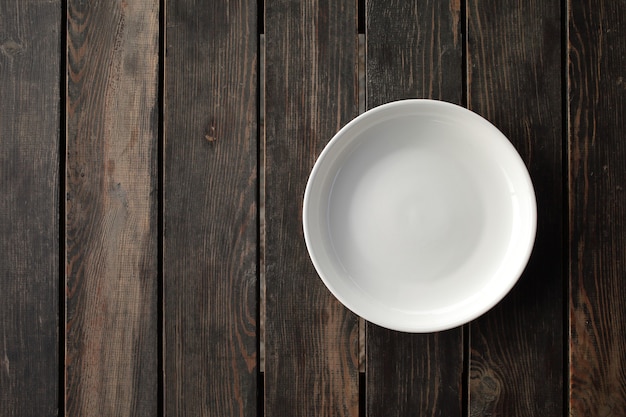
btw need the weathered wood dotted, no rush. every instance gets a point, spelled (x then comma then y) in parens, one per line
(311, 366)
(210, 218)
(29, 207)
(514, 80)
(111, 206)
(413, 374)
(414, 50)
(597, 203)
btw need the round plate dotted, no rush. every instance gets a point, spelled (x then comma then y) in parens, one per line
(419, 215)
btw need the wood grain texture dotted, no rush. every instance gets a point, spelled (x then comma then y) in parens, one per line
(413, 374)
(29, 207)
(111, 208)
(311, 366)
(597, 202)
(514, 80)
(414, 50)
(211, 221)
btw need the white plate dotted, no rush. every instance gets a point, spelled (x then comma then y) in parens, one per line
(419, 215)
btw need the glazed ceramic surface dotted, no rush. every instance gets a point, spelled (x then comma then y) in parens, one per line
(419, 215)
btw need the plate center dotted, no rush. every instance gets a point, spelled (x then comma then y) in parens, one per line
(413, 216)
(408, 220)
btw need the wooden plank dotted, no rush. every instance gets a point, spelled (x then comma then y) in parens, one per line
(413, 374)
(414, 50)
(211, 221)
(111, 206)
(514, 80)
(29, 207)
(597, 204)
(311, 366)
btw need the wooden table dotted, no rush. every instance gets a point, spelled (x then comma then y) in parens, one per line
(153, 157)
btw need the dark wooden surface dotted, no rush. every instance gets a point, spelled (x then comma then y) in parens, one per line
(30, 56)
(597, 208)
(111, 320)
(514, 64)
(131, 243)
(210, 210)
(311, 365)
(413, 50)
